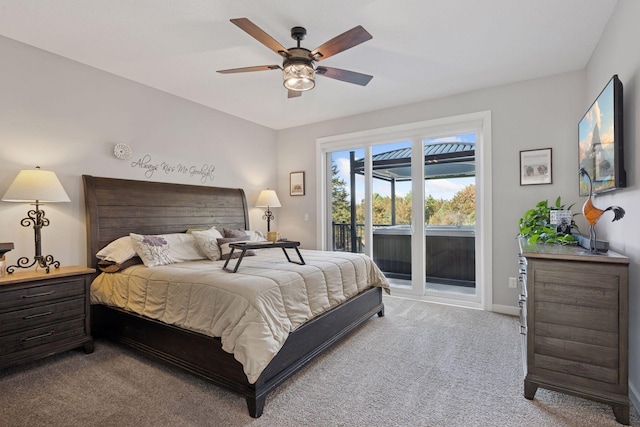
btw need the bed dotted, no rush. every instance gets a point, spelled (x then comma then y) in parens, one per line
(117, 207)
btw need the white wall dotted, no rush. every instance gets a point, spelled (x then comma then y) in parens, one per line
(617, 53)
(528, 115)
(66, 117)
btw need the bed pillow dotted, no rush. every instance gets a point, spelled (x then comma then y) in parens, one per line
(253, 236)
(207, 241)
(107, 266)
(163, 249)
(256, 236)
(191, 230)
(225, 250)
(118, 251)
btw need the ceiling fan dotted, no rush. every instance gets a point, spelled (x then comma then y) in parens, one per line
(298, 66)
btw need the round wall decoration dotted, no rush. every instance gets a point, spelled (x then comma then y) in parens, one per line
(122, 151)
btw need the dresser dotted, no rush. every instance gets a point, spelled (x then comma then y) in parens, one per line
(42, 314)
(574, 323)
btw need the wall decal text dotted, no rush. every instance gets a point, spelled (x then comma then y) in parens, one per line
(204, 173)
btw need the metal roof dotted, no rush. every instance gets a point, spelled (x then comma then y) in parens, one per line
(441, 160)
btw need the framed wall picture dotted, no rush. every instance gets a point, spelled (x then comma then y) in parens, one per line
(535, 167)
(296, 184)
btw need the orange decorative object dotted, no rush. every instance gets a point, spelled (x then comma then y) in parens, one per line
(593, 214)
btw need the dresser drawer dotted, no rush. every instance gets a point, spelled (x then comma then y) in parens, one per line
(28, 318)
(25, 296)
(41, 336)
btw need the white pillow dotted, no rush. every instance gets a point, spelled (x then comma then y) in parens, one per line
(256, 236)
(207, 242)
(118, 251)
(162, 249)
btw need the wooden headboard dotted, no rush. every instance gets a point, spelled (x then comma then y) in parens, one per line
(117, 207)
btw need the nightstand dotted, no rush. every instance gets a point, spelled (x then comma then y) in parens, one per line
(43, 314)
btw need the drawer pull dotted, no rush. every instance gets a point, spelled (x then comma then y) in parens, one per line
(33, 316)
(44, 294)
(48, 334)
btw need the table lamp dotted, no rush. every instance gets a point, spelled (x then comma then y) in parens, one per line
(268, 199)
(35, 186)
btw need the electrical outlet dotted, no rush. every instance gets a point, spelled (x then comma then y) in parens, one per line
(513, 282)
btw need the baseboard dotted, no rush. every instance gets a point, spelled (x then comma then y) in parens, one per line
(505, 309)
(634, 396)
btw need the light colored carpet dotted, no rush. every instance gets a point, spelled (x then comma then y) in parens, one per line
(420, 365)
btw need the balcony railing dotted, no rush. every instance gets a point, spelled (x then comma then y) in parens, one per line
(450, 250)
(342, 237)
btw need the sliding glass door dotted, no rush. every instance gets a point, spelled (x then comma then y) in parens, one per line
(450, 215)
(410, 204)
(445, 236)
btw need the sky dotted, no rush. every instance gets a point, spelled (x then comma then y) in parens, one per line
(438, 188)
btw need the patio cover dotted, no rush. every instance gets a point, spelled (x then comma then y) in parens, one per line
(441, 160)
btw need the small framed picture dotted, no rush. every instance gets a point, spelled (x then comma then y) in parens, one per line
(535, 167)
(296, 184)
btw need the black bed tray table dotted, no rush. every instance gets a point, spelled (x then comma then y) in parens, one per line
(245, 246)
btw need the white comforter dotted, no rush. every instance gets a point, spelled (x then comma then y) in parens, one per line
(253, 310)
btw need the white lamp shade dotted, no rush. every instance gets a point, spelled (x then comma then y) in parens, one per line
(33, 185)
(268, 199)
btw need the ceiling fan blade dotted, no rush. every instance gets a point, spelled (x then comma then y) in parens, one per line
(248, 69)
(257, 33)
(340, 43)
(344, 75)
(294, 94)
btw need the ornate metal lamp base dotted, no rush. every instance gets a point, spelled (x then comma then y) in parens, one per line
(45, 262)
(268, 215)
(37, 218)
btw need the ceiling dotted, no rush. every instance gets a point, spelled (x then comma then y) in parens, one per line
(421, 49)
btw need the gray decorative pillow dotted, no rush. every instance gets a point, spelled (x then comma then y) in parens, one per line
(253, 236)
(228, 232)
(225, 250)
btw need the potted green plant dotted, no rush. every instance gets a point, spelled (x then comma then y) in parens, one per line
(536, 227)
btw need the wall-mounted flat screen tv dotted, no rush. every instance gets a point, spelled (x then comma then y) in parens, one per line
(600, 141)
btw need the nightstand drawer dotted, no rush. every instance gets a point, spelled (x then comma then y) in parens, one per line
(28, 318)
(30, 295)
(41, 336)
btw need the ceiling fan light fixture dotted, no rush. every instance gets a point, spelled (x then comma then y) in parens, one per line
(298, 77)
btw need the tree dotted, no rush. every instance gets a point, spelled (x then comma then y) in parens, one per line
(464, 201)
(431, 206)
(460, 210)
(341, 206)
(403, 209)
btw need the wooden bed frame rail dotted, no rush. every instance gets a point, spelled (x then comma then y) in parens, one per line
(203, 356)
